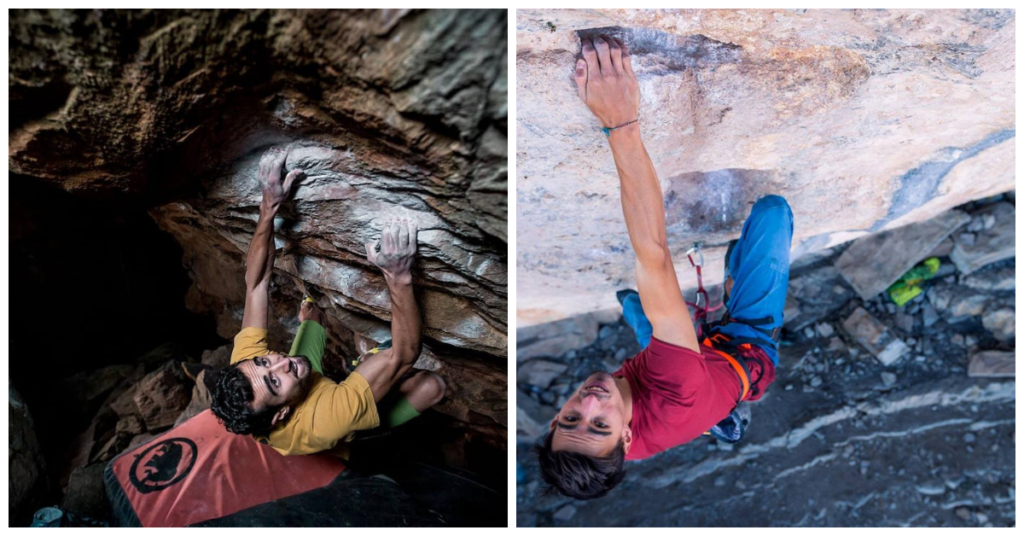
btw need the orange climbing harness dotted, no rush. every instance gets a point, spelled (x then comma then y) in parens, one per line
(739, 365)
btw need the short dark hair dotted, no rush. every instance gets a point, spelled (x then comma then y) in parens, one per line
(580, 476)
(232, 398)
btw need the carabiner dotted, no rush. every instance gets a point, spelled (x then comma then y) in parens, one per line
(700, 255)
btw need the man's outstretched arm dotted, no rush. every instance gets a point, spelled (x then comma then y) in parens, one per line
(394, 254)
(606, 82)
(259, 261)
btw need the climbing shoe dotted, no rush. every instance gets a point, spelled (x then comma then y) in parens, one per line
(623, 294)
(731, 428)
(350, 364)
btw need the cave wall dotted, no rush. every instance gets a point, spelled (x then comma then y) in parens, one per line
(393, 113)
(864, 120)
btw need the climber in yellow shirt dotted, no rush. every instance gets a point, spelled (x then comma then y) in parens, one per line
(284, 399)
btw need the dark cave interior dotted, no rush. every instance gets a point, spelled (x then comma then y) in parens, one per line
(95, 283)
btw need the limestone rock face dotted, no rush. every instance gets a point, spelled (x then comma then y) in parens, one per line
(863, 120)
(390, 113)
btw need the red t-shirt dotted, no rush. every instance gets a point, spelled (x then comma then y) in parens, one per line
(679, 394)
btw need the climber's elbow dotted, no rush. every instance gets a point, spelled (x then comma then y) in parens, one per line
(407, 351)
(652, 254)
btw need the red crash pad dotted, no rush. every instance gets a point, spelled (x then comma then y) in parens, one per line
(200, 471)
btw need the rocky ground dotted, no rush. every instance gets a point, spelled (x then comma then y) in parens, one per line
(925, 438)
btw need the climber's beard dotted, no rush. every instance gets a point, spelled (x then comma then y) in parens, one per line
(305, 382)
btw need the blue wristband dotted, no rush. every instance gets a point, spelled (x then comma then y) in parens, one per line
(608, 130)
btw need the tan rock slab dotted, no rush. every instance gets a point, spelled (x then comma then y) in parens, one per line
(991, 364)
(874, 336)
(874, 262)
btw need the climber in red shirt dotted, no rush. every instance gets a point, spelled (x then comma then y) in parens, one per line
(679, 386)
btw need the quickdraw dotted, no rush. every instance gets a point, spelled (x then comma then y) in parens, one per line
(702, 312)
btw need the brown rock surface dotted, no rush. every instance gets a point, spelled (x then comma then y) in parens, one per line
(390, 113)
(865, 120)
(25, 464)
(160, 397)
(86, 495)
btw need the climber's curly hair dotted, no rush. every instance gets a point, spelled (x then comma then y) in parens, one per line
(232, 397)
(577, 475)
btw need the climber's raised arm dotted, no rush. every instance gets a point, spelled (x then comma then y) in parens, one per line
(394, 254)
(607, 84)
(259, 262)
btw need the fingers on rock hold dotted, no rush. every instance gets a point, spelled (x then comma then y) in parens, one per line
(603, 55)
(403, 234)
(590, 55)
(627, 64)
(581, 79)
(615, 51)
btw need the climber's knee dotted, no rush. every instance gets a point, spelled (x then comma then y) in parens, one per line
(424, 390)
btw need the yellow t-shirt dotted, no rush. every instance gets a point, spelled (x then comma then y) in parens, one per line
(332, 412)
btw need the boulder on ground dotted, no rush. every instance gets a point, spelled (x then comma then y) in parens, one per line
(526, 427)
(218, 358)
(538, 416)
(85, 388)
(539, 372)
(991, 364)
(874, 336)
(1000, 322)
(27, 481)
(874, 262)
(556, 338)
(1003, 278)
(86, 495)
(814, 295)
(161, 396)
(987, 245)
(200, 399)
(958, 303)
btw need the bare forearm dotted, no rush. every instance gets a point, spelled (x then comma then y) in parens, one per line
(393, 253)
(642, 202)
(644, 210)
(259, 259)
(405, 319)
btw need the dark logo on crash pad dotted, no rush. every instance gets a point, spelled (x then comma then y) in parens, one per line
(163, 464)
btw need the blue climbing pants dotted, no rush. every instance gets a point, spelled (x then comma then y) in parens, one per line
(759, 266)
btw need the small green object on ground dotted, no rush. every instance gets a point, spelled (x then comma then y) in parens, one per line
(909, 285)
